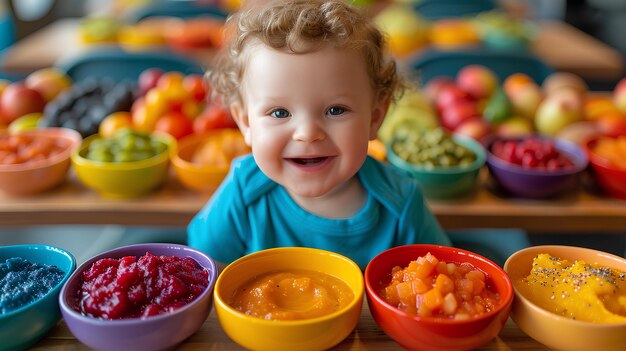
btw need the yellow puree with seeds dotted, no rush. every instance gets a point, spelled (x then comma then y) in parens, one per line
(576, 290)
(292, 295)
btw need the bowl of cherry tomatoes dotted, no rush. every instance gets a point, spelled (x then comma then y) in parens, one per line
(432, 297)
(535, 166)
(35, 160)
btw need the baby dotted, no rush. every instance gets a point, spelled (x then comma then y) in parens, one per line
(309, 84)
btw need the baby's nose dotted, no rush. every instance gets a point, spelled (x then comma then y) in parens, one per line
(309, 130)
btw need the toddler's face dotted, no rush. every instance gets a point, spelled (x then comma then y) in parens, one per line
(309, 117)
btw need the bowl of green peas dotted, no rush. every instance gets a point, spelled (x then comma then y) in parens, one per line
(446, 165)
(126, 165)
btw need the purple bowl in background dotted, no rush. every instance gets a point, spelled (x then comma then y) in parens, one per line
(160, 332)
(537, 183)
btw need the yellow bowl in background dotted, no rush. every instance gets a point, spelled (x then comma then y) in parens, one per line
(553, 330)
(308, 334)
(122, 179)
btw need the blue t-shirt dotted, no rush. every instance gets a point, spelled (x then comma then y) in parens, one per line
(250, 212)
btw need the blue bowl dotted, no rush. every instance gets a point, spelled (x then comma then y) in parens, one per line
(537, 183)
(24, 326)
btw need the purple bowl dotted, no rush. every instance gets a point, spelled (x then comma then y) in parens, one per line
(537, 183)
(160, 332)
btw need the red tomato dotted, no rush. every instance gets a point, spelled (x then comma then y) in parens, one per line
(214, 117)
(175, 124)
(196, 86)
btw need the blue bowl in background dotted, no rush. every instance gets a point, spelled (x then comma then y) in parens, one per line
(23, 327)
(536, 183)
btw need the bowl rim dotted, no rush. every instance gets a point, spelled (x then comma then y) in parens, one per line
(578, 157)
(54, 133)
(506, 296)
(65, 308)
(596, 160)
(81, 161)
(474, 146)
(551, 315)
(357, 300)
(58, 287)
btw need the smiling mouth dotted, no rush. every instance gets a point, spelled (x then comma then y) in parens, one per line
(309, 161)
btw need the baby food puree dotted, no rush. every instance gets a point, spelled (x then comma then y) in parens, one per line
(292, 295)
(576, 290)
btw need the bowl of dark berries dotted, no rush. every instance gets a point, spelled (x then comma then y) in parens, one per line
(31, 277)
(535, 166)
(139, 297)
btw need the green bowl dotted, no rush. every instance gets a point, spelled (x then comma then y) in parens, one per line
(445, 182)
(23, 327)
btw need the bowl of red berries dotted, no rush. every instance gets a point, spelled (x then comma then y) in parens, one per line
(535, 166)
(139, 297)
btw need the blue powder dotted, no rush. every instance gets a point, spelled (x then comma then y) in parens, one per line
(22, 282)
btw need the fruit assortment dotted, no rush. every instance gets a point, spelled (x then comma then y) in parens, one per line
(531, 153)
(220, 149)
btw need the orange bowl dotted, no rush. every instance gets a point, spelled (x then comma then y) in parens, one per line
(33, 177)
(553, 330)
(200, 176)
(436, 333)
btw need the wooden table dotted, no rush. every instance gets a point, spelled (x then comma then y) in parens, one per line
(173, 205)
(367, 336)
(560, 45)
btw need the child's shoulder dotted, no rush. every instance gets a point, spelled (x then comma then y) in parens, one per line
(386, 182)
(248, 177)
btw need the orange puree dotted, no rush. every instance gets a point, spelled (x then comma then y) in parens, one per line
(292, 295)
(576, 290)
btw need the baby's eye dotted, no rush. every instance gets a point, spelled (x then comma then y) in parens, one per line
(336, 111)
(280, 113)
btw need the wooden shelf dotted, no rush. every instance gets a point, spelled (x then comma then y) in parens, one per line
(173, 205)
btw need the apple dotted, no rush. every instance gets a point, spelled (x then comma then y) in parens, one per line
(513, 127)
(434, 86)
(479, 81)
(558, 110)
(525, 98)
(49, 82)
(619, 95)
(18, 100)
(516, 81)
(560, 80)
(453, 115)
(148, 79)
(474, 127)
(451, 95)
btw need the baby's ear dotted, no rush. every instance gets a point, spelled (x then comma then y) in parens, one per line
(240, 115)
(379, 111)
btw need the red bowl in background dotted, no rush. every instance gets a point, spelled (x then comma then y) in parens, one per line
(432, 333)
(611, 179)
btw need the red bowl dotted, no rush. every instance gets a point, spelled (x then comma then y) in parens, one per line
(611, 179)
(432, 333)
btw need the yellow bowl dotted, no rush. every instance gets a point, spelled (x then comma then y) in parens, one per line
(553, 330)
(122, 179)
(308, 334)
(196, 176)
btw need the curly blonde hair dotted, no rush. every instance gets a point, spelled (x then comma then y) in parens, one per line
(299, 27)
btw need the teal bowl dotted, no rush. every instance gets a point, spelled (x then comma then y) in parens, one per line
(23, 327)
(445, 182)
